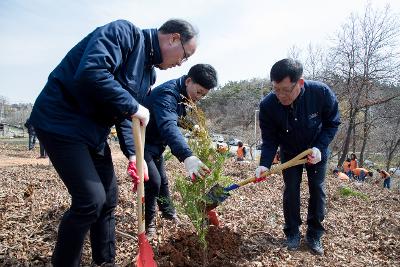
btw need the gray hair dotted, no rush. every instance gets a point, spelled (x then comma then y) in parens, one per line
(184, 28)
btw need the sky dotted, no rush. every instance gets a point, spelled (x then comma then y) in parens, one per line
(241, 39)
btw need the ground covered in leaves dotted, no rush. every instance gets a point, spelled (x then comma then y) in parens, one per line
(359, 232)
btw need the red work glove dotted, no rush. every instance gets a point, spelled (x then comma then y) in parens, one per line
(132, 172)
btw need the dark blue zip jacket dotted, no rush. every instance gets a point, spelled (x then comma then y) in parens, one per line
(166, 104)
(312, 121)
(98, 84)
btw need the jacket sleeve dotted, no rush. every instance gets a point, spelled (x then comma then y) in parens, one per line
(125, 137)
(269, 137)
(103, 56)
(164, 110)
(330, 121)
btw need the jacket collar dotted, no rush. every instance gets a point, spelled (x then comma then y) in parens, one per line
(152, 47)
(182, 86)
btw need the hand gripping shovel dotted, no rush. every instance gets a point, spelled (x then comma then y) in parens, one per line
(145, 257)
(217, 194)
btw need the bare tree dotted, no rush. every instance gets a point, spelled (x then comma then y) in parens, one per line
(315, 62)
(366, 54)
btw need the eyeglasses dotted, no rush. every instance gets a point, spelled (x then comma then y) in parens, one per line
(284, 91)
(185, 56)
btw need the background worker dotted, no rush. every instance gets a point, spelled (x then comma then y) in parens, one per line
(341, 175)
(241, 152)
(277, 158)
(100, 83)
(299, 114)
(167, 105)
(31, 134)
(386, 178)
(353, 163)
(346, 167)
(361, 173)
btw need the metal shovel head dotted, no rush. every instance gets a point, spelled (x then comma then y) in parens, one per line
(215, 196)
(145, 257)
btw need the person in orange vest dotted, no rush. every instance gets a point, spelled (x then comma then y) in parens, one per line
(386, 176)
(277, 158)
(346, 167)
(360, 174)
(353, 163)
(241, 152)
(341, 175)
(222, 148)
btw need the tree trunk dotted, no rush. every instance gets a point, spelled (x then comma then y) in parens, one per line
(365, 136)
(345, 149)
(354, 139)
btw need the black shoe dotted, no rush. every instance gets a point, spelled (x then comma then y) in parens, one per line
(315, 245)
(150, 229)
(293, 242)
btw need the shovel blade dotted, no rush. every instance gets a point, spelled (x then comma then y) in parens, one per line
(145, 257)
(215, 196)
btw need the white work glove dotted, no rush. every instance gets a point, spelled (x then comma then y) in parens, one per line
(196, 128)
(260, 170)
(259, 174)
(143, 115)
(195, 167)
(315, 156)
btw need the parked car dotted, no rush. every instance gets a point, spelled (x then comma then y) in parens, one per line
(395, 171)
(217, 138)
(369, 163)
(233, 142)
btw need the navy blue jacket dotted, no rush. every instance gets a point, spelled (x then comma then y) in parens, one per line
(166, 104)
(312, 121)
(99, 84)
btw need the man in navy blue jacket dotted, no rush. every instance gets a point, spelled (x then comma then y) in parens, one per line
(299, 114)
(167, 105)
(100, 83)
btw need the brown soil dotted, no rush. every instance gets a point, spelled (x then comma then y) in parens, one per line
(358, 232)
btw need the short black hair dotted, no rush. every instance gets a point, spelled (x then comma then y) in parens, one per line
(286, 67)
(204, 74)
(184, 28)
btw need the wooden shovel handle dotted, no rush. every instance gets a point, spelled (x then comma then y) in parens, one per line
(139, 138)
(298, 160)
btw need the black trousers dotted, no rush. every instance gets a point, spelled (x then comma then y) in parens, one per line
(31, 141)
(291, 197)
(42, 150)
(157, 189)
(90, 179)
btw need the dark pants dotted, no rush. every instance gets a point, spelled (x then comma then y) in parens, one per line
(386, 183)
(316, 203)
(43, 153)
(90, 179)
(31, 141)
(156, 189)
(362, 176)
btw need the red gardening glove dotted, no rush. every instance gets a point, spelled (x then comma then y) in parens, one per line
(132, 172)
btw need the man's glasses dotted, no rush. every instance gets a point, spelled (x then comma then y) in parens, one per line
(284, 91)
(185, 56)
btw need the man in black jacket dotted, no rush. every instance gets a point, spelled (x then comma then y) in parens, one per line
(100, 83)
(167, 104)
(299, 114)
